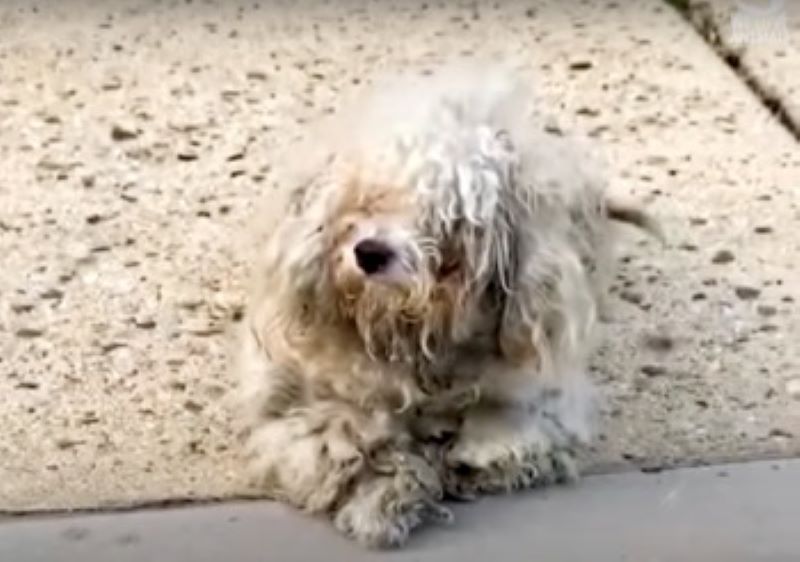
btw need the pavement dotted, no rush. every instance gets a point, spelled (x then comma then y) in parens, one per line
(734, 513)
(138, 139)
(761, 39)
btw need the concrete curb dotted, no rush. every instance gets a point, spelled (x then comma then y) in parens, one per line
(746, 512)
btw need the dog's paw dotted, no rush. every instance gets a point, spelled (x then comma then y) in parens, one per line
(385, 508)
(486, 467)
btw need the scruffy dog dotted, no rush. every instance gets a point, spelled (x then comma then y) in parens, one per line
(425, 307)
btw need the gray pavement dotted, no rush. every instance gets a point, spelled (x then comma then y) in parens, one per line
(738, 512)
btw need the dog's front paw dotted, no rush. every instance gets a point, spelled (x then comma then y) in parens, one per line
(384, 509)
(502, 462)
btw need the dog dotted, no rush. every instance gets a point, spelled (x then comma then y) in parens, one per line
(423, 311)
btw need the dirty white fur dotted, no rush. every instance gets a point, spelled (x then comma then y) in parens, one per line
(461, 368)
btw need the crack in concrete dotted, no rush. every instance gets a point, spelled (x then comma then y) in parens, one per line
(700, 16)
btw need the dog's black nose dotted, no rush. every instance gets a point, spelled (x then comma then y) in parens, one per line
(373, 256)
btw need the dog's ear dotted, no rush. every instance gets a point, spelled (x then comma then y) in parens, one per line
(291, 270)
(520, 325)
(547, 310)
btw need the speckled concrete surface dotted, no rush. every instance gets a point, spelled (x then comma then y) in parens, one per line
(762, 37)
(137, 138)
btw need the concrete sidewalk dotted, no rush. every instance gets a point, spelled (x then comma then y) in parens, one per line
(746, 512)
(137, 137)
(759, 40)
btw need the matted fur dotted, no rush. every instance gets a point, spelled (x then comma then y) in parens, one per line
(461, 369)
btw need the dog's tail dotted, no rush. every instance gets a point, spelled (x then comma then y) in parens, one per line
(637, 217)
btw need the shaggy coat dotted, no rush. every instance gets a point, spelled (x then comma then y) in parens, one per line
(425, 306)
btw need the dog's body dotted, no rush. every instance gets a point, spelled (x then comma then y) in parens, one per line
(425, 310)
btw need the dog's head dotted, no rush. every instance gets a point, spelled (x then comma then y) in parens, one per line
(415, 240)
(421, 229)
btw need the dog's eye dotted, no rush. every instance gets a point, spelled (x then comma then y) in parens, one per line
(448, 268)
